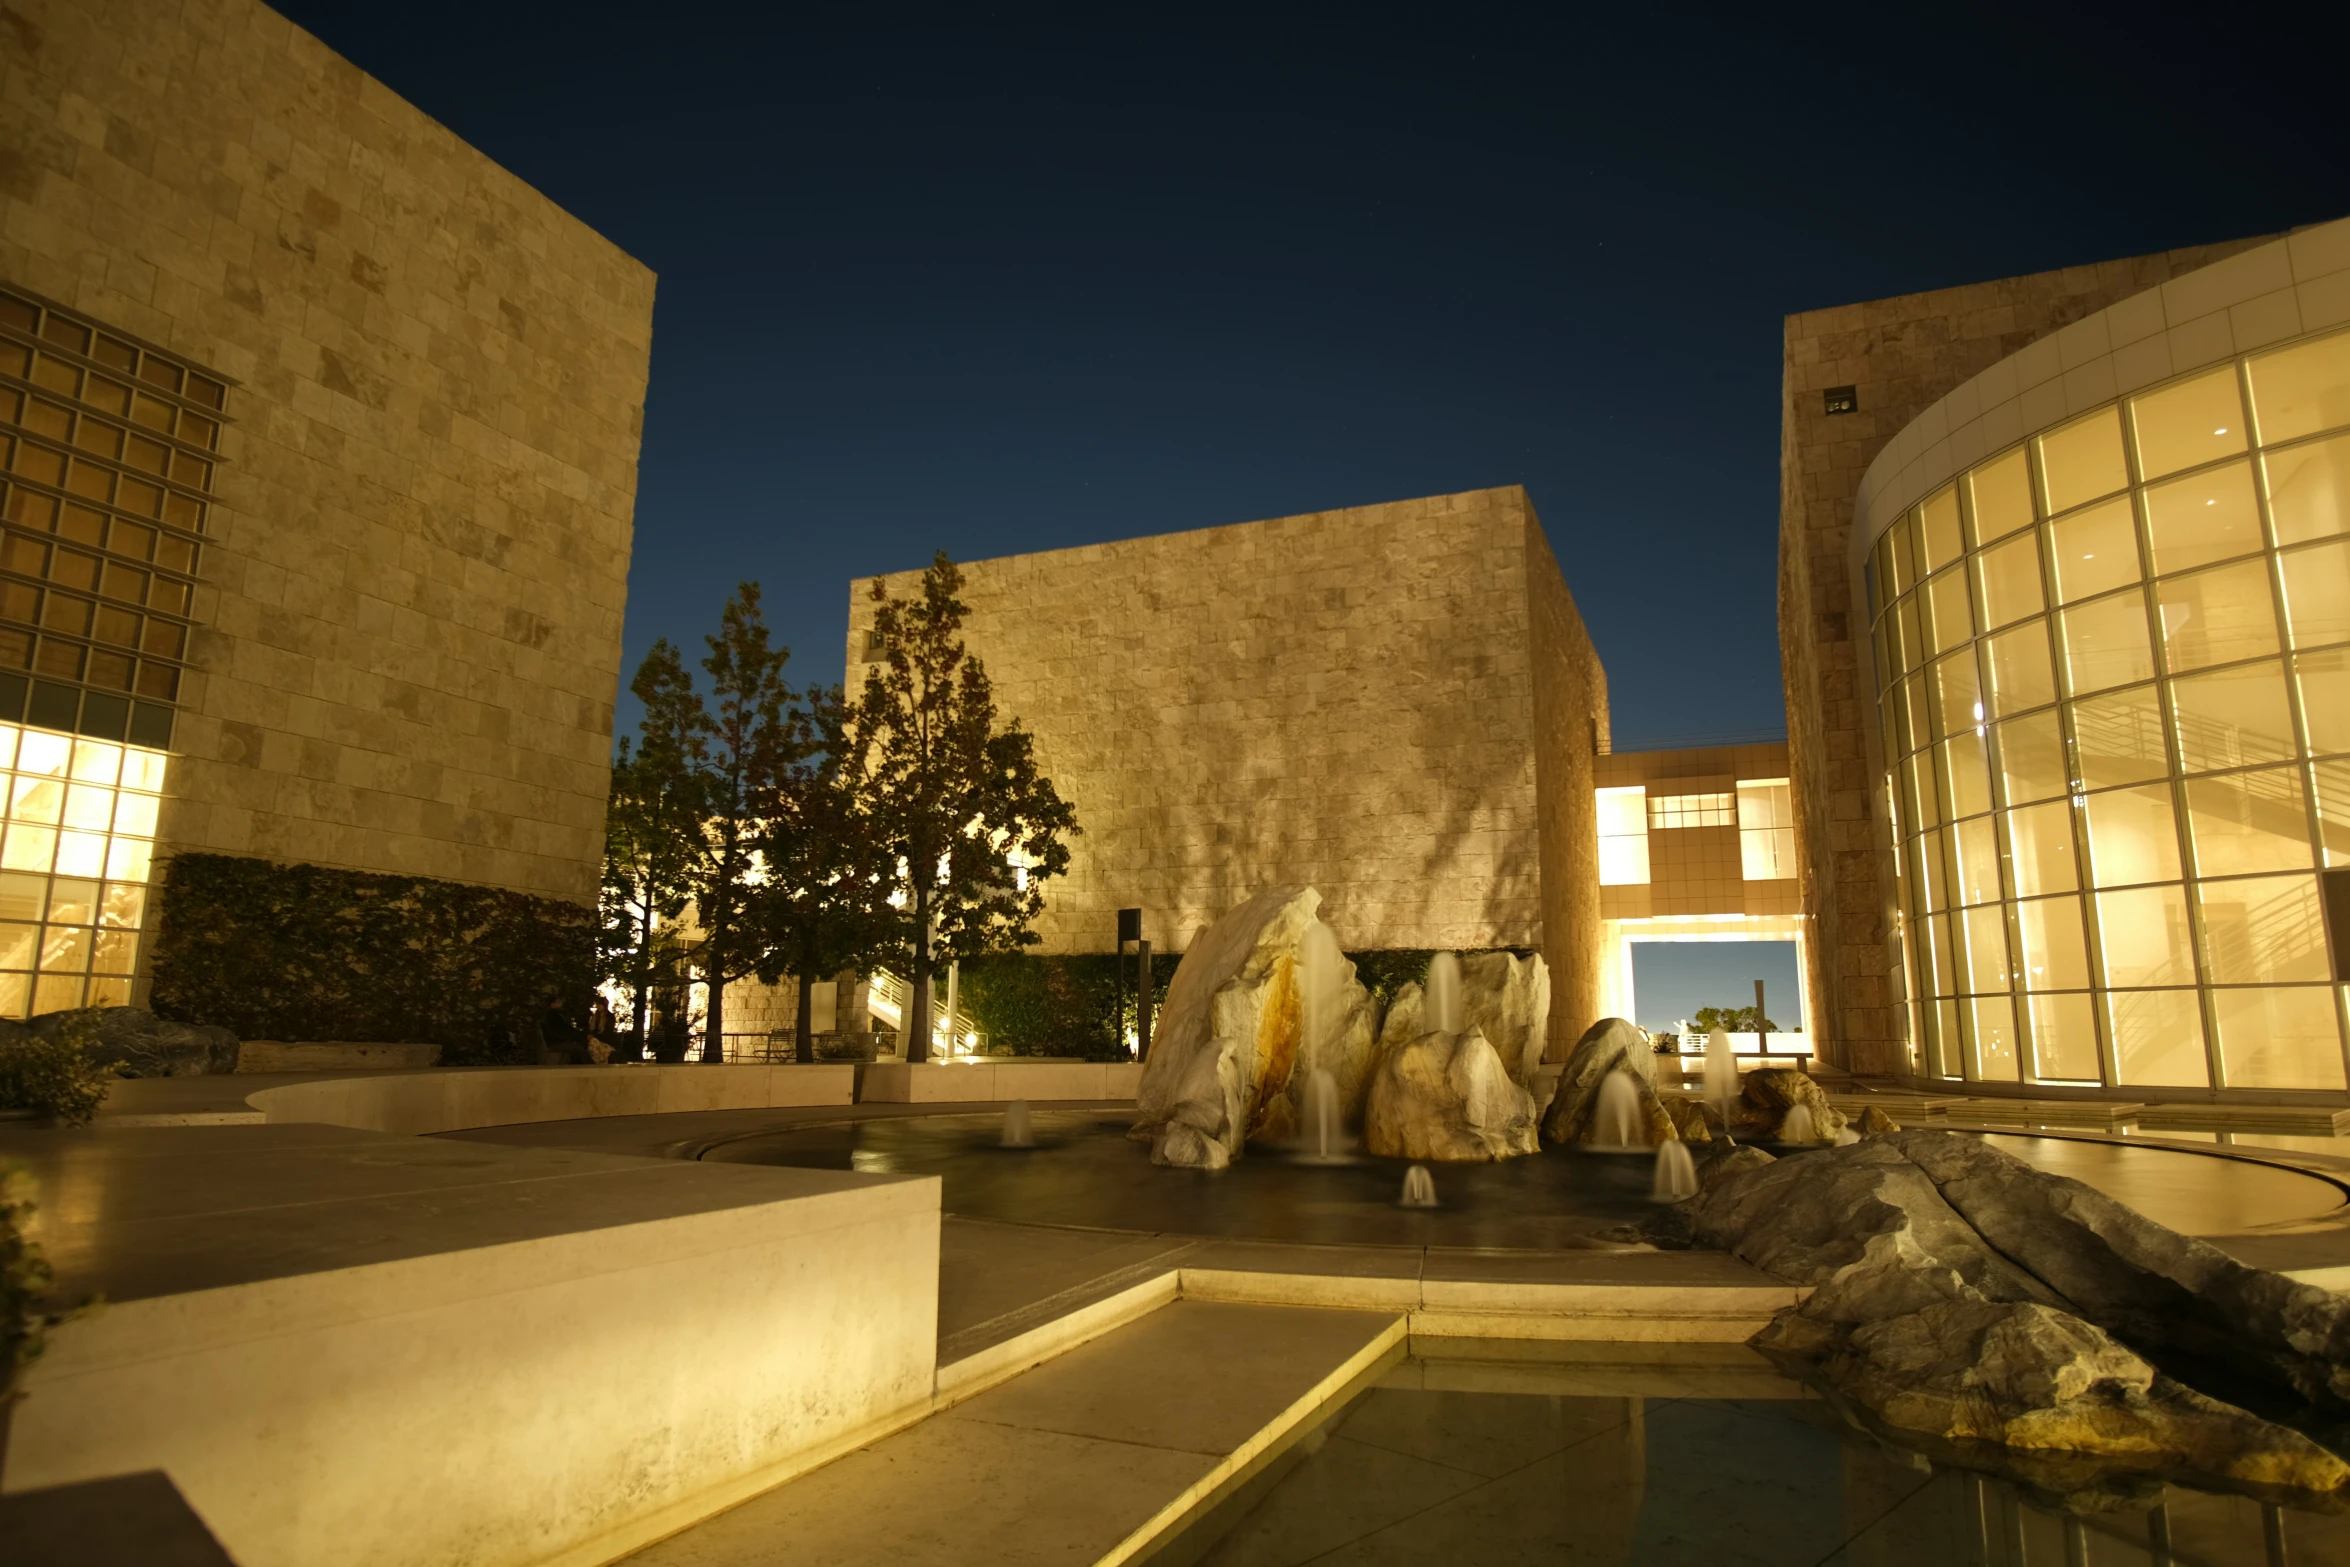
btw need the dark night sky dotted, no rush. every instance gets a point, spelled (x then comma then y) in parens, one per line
(1004, 281)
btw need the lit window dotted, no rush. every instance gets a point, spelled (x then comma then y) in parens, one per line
(78, 847)
(1693, 810)
(1766, 830)
(1623, 837)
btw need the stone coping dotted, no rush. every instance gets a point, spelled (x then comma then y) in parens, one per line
(996, 1082)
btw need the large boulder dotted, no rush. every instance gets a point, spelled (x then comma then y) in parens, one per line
(1229, 1053)
(1447, 1097)
(1507, 999)
(1945, 1303)
(1764, 1110)
(134, 1042)
(1609, 1046)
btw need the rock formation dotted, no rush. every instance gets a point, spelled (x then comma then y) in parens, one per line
(134, 1042)
(1961, 1295)
(1447, 1097)
(1507, 999)
(1609, 1045)
(1768, 1098)
(1228, 1051)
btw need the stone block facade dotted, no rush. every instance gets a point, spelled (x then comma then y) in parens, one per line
(413, 574)
(1397, 704)
(1888, 360)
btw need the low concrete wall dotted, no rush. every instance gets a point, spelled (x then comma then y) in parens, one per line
(900, 1082)
(274, 1055)
(420, 1103)
(561, 1399)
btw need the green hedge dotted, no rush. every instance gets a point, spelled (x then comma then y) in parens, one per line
(304, 952)
(1068, 1006)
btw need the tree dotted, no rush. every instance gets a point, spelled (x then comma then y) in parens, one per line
(647, 826)
(1733, 1020)
(971, 826)
(730, 757)
(829, 875)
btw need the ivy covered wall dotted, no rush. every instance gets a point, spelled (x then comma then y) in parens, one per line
(304, 952)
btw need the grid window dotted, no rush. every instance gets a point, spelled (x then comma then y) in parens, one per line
(1766, 830)
(110, 449)
(1693, 810)
(1623, 837)
(77, 846)
(2153, 673)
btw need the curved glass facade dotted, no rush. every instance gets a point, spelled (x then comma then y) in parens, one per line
(2113, 677)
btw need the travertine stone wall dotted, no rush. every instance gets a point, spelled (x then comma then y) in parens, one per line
(1901, 355)
(1396, 704)
(419, 557)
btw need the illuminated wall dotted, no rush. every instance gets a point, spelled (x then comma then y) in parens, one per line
(75, 856)
(2113, 676)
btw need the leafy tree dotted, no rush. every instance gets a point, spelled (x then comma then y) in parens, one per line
(829, 874)
(1734, 1020)
(648, 825)
(729, 758)
(971, 826)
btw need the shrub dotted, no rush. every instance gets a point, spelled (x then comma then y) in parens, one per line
(307, 952)
(54, 1076)
(25, 1319)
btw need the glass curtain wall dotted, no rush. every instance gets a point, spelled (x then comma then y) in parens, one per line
(2113, 670)
(76, 852)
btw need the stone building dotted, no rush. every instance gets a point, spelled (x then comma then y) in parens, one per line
(1397, 704)
(2063, 734)
(320, 435)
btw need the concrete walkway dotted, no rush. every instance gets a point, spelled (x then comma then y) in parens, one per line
(1086, 1459)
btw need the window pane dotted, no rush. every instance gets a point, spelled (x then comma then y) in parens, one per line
(1938, 528)
(1623, 862)
(2132, 838)
(1943, 1045)
(2158, 1038)
(2317, 593)
(1974, 849)
(2011, 581)
(2217, 616)
(1966, 775)
(1944, 969)
(1926, 861)
(2083, 460)
(1946, 607)
(2094, 550)
(2056, 955)
(1993, 1020)
(2105, 643)
(1913, 636)
(2064, 1039)
(2333, 811)
(2247, 822)
(1917, 777)
(1918, 709)
(2021, 675)
(2001, 491)
(2309, 490)
(2031, 758)
(1985, 949)
(2120, 738)
(2041, 837)
(2206, 517)
(2302, 390)
(1905, 571)
(2144, 932)
(2196, 421)
(2233, 717)
(2324, 681)
(2264, 931)
(1958, 698)
(1622, 812)
(2273, 1036)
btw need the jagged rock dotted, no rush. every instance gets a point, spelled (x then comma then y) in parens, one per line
(1228, 1052)
(1690, 1121)
(1874, 1122)
(1447, 1097)
(134, 1042)
(1609, 1045)
(1941, 1304)
(1507, 999)
(1766, 1097)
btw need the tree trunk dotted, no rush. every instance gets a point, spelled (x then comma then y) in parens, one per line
(804, 1025)
(642, 1003)
(714, 1014)
(917, 1047)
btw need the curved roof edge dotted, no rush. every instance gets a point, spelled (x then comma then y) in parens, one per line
(2272, 292)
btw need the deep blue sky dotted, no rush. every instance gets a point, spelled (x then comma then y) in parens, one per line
(994, 281)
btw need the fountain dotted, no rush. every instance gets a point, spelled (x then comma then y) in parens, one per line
(1444, 993)
(1676, 1172)
(1419, 1187)
(1322, 1119)
(1616, 1124)
(1016, 1130)
(1797, 1128)
(1721, 1069)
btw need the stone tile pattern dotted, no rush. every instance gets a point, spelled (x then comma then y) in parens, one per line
(1901, 355)
(419, 557)
(1395, 703)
